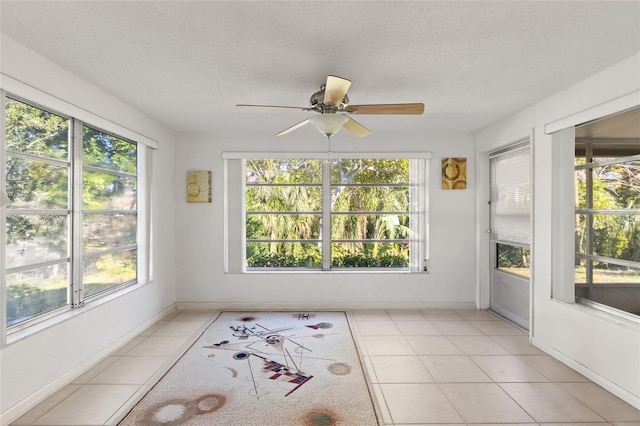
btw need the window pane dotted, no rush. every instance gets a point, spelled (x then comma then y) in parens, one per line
(35, 239)
(283, 226)
(36, 184)
(34, 131)
(614, 186)
(108, 270)
(108, 231)
(614, 236)
(369, 255)
(108, 152)
(285, 170)
(514, 259)
(367, 198)
(283, 198)
(284, 255)
(36, 291)
(607, 273)
(366, 227)
(369, 170)
(290, 185)
(367, 185)
(511, 196)
(103, 191)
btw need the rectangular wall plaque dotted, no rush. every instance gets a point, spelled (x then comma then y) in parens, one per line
(198, 186)
(454, 173)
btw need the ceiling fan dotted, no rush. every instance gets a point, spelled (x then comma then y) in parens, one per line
(332, 102)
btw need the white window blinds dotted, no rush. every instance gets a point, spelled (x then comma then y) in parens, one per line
(511, 195)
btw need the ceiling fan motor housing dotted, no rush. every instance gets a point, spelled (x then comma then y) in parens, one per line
(317, 103)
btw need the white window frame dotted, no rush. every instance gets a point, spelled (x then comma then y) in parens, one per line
(28, 94)
(234, 220)
(562, 133)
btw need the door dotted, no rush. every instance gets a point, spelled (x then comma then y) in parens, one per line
(510, 230)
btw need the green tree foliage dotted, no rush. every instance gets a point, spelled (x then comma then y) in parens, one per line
(272, 186)
(513, 256)
(35, 183)
(108, 189)
(348, 196)
(34, 131)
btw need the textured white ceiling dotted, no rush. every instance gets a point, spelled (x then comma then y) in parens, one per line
(186, 64)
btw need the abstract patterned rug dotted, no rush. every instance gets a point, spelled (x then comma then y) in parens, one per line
(267, 369)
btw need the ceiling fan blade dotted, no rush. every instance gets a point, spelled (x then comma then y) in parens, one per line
(356, 128)
(274, 106)
(335, 89)
(386, 109)
(292, 128)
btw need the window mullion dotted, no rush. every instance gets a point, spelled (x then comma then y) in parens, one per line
(3, 219)
(326, 215)
(76, 287)
(589, 220)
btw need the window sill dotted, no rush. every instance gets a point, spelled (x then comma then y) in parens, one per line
(606, 313)
(67, 314)
(612, 313)
(333, 271)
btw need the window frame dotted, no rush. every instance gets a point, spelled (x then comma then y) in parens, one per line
(562, 133)
(589, 212)
(82, 254)
(235, 187)
(78, 117)
(67, 260)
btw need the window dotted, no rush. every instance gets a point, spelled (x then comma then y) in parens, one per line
(109, 204)
(607, 212)
(510, 207)
(283, 205)
(72, 227)
(321, 213)
(38, 220)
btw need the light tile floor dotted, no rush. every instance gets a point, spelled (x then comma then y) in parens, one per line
(425, 367)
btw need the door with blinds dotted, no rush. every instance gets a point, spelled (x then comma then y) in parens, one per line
(510, 232)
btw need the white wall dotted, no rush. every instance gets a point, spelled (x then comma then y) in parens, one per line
(597, 345)
(200, 245)
(34, 366)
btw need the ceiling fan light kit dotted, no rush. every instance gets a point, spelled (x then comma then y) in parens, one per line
(329, 124)
(332, 102)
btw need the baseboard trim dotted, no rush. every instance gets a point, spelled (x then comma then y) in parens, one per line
(321, 306)
(19, 409)
(590, 374)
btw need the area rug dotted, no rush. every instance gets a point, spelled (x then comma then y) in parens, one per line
(266, 369)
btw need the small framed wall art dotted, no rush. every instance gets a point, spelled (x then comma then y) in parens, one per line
(454, 173)
(198, 186)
